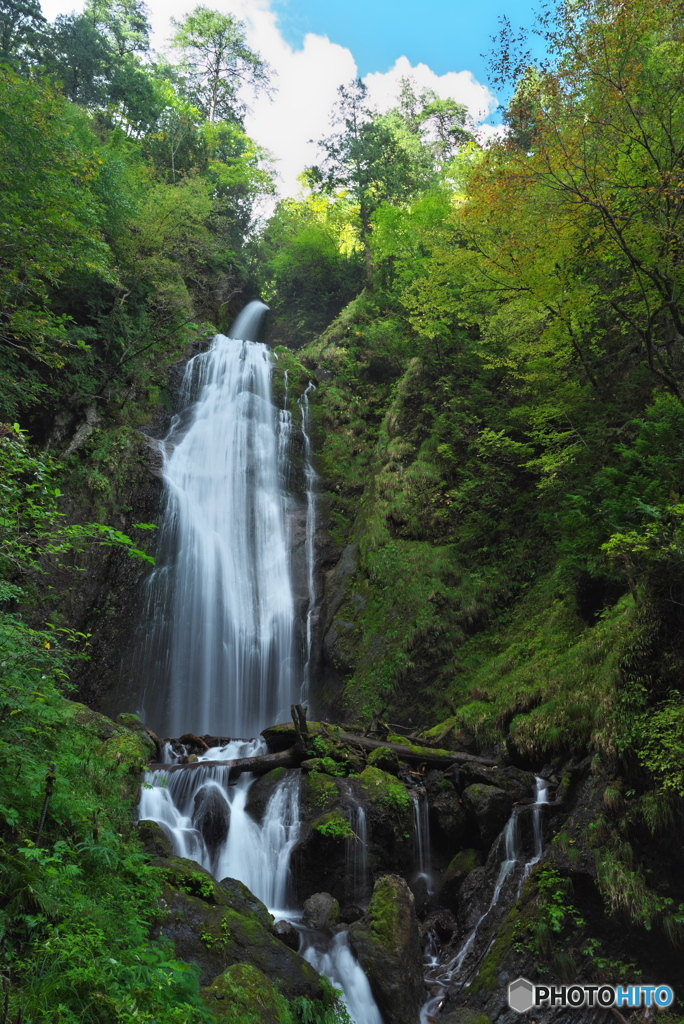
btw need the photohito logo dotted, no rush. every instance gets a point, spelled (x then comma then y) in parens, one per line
(524, 996)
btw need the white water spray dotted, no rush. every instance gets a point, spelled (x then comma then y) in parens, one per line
(221, 655)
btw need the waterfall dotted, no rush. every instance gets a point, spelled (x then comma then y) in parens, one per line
(540, 800)
(356, 866)
(340, 965)
(421, 832)
(311, 478)
(221, 654)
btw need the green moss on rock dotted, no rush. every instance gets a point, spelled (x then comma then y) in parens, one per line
(380, 786)
(244, 995)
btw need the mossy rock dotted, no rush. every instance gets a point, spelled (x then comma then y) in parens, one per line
(319, 792)
(491, 808)
(387, 943)
(465, 1015)
(101, 727)
(385, 759)
(334, 826)
(243, 899)
(459, 868)
(380, 786)
(215, 937)
(244, 995)
(156, 842)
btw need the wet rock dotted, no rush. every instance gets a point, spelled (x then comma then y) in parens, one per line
(287, 933)
(321, 911)
(450, 825)
(472, 898)
(244, 993)
(211, 817)
(519, 785)
(350, 914)
(385, 759)
(243, 899)
(459, 868)
(261, 791)
(387, 943)
(491, 808)
(155, 839)
(211, 927)
(443, 923)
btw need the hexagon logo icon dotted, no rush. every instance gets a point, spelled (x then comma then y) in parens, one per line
(521, 995)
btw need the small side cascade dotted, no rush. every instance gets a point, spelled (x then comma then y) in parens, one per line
(443, 976)
(421, 833)
(340, 965)
(540, 801)
(356, 857)
(311, 478)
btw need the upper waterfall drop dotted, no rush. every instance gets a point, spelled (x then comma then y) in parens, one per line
(222, 656)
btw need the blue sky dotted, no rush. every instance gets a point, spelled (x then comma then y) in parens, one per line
(447, 36)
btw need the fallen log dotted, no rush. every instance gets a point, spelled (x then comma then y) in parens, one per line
(259, 764)
(415, 755)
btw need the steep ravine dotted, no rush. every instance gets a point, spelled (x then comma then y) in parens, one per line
(406, 637)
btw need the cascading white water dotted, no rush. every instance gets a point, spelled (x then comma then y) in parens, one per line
(221, 655)
(443, 976)
(540, 800)
(421, 832)
(311, 478)
(339, 964)
(223, 661)
(358, 876)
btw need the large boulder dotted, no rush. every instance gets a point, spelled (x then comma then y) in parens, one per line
(261, 791)
(491, 808)
(387, 943)
(211, 817)
(212, 927)
(321, 911)
(243, 993)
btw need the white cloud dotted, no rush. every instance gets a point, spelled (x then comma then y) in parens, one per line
(306, 80)
(462, 86)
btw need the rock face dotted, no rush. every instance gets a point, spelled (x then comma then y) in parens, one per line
(387, 943)
(212, 926)
(491, 807)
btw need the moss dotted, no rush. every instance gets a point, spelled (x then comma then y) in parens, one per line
(383, 915)
(380, 786)
(323, 790)
(463, 863)
(243, 995)
(385, 759)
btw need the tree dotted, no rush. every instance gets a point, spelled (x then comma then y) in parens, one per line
(376, 158)
(20, 23)
(125, 23)
(217, 62)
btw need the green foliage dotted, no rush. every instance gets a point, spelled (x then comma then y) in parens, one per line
(334, 826)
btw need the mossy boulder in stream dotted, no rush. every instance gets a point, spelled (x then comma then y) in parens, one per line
(244, 995)
(387, 943)
(215, 926)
